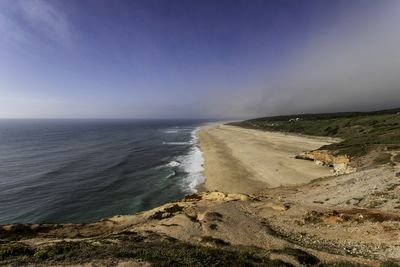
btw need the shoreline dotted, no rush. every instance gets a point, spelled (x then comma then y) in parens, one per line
(265, 159)
(334, 220)
(200, 187)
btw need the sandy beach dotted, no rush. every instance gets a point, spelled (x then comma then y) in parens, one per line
(242, 160)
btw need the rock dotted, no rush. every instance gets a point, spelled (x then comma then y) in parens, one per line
(214, 196)
(192, 197)
(219, 196)
(239, 197)
(318, 156)
(339, 163)
(280, 207)
(166, 211)
(209, 216)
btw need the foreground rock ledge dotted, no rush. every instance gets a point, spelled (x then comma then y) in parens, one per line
(351, 218)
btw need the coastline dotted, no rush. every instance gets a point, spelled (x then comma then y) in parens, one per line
(238, 160)
(327, 220)
(199, 187)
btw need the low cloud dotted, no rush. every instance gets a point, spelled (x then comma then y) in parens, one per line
(355, 66)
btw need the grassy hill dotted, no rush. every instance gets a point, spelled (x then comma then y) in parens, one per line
(371, 137)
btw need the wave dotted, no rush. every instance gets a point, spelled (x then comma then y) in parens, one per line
(170, 131)
(173, 164)
(75, 165)
(171, 175)
(192, 164)
(177, 143)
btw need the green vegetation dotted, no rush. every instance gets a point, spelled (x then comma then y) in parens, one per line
(382, 158)
(301, 256)
(396, 158)
(393, 147)
(155, 249)
(189, 255)
(341, 264)
(390, 263)
(14, 249)
(361, 132)
(60, 250)
(214, 241)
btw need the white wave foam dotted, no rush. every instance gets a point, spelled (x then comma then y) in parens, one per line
(192, 164)
(170, 131)
(173, 173)
(173, 164)
(177, 143)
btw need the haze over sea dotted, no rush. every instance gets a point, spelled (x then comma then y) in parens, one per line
(86, 170)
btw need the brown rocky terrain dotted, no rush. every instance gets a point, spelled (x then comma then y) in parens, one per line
(349, 218)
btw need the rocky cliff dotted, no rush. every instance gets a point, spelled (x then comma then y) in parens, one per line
(340, 164)
(340, 220)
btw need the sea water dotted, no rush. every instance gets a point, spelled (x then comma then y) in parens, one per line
(59, 171)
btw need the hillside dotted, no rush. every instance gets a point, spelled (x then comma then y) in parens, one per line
(349, 220)
(369, 138)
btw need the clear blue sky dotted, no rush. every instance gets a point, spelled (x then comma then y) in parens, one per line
(196, 58)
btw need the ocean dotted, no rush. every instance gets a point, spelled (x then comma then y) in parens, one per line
(77, 171)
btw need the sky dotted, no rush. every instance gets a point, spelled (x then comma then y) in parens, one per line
(197, 58)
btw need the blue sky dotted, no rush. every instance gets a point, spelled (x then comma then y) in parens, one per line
(197, 58)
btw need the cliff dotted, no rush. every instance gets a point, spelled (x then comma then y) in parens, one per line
(340, 164)
(351, 218)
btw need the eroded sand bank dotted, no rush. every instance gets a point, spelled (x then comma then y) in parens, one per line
(242, 160)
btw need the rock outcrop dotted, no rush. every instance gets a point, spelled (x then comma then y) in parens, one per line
(340, 164)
